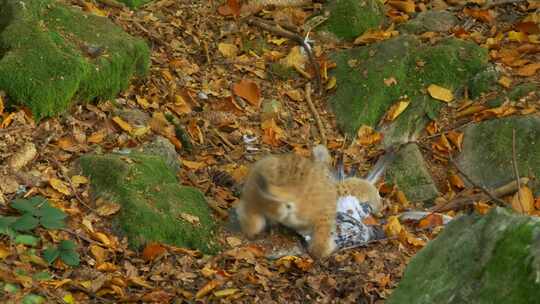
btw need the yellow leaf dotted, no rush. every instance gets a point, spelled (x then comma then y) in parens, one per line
(207, 288)
(440, 93)
(108, 208)
(529, 69)
(372, 35)
(397, 108)
(140, 282)
(99, 253)
(97, 136)
(68, 298)
(60, 186)
(332, 81)
(226, 292)
(278, 41)
(393, 226)
(456, 181)
(295, 95)
(102, 238)
(404, 6)
(193, 164)
(124, 125)
(295, 58)
(367, 136)
(1, 104)
(505, 81)
(523, 201)
(79, 180)
(4, 252)
(517, 36)
(228, 50)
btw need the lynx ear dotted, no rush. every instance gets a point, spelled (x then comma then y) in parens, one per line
(321, 154)
(264, 189)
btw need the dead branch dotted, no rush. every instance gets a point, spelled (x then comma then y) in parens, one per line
(315, 114)
(460, 202)
(514, 164)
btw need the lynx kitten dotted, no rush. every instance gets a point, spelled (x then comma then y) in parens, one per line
(294, 191)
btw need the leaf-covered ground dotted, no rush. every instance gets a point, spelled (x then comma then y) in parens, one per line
(217, 77)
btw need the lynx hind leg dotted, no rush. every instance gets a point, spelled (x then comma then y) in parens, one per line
(251, 221)
(322, 242)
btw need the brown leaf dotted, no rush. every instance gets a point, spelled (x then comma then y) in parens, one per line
(124, 125)
(228, 50)
(192, 219)
(528, 27)
(368, 136)
(22, 157)
(456, 181)
(249, 91)
(456, 138)
(529, 69)
(97, 137)
(523, 201)
(396, 109)
(108, 208)
(207, 288)
(158, 296)
(152, 251)
(482, 207)
(99, 253)
(60, 186)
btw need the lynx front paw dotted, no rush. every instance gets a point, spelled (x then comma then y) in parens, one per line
(250, 223)
(321, 248)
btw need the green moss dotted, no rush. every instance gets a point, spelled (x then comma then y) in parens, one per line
(483, 82)
(44, 64)
(490, 162)
(350, 18)
(362, 95)
(154, 205)
(476, 259)
(134, 3)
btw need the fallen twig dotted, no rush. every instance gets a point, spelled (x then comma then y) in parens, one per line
(296, 38)
(315, 114)
(460, 202)
(514, 164)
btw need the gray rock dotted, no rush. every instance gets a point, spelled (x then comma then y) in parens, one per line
(476, 259)
(409, 172)
(160, 146)
(487, 150)
(432, 21)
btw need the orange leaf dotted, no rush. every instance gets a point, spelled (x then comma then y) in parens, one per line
(249, 91)
(529, 69)
(152, 251)
(456, 138)
(397, 108)
(235, 7)
(456, 181)
(404, 6)
(123, 124)
(158, 296)
(528, 27)
(193, 164)
(523, 201)
(367, 136)
(482, 208)
(432, 220)
(482, 15)
(432, 127)
(97, 136)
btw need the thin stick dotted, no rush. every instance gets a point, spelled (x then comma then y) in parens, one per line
(315, 114)
(296, 38)
(498, 200)
(514, 164)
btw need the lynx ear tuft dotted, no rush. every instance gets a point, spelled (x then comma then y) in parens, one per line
(321, 154)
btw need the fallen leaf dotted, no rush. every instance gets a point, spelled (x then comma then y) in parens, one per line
(99, 253)
(478, 14)
(272, 133)
(97, 137)
(373, 35)
(440, 93)
(528, 70)
(389, 81)
(139, 282)
(108, 208)
(226, 292)
(456, 181)
(22, 156)
(295, 95)
(505, 81)
(482, 207)
(249, 91)
(430, 221)
(194, 165)
(124, 125)
(158, 296)
(192, 219)
(396, 109)
(456, 138)
(517, 36)
(368, 136)
(152, 251)
(523, 201)
(295, 58)
(4, 252)
(233, 241)
(407, 6)
(103, 238)
(60, 186)
(393, 226)
(228, 50)
(207, 288)
(107, 267)
(528, 27)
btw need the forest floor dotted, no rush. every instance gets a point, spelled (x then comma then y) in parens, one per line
(196, 48)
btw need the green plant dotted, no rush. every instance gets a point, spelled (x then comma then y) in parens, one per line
(37, 211)
(66, 251)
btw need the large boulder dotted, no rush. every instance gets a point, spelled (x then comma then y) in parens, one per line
(348, 19)
(51, 53)
(154, 206)
(487, 150)
(371, 78)
(476, 259)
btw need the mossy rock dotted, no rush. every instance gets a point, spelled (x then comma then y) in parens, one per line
(409, 172)
(134, 3)
(51, 53)
(155, 207)
(476, 259)
(432, 21)
(362, 96)
(349, 19)
(487, 150)
(519, 91)
(484, 82)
